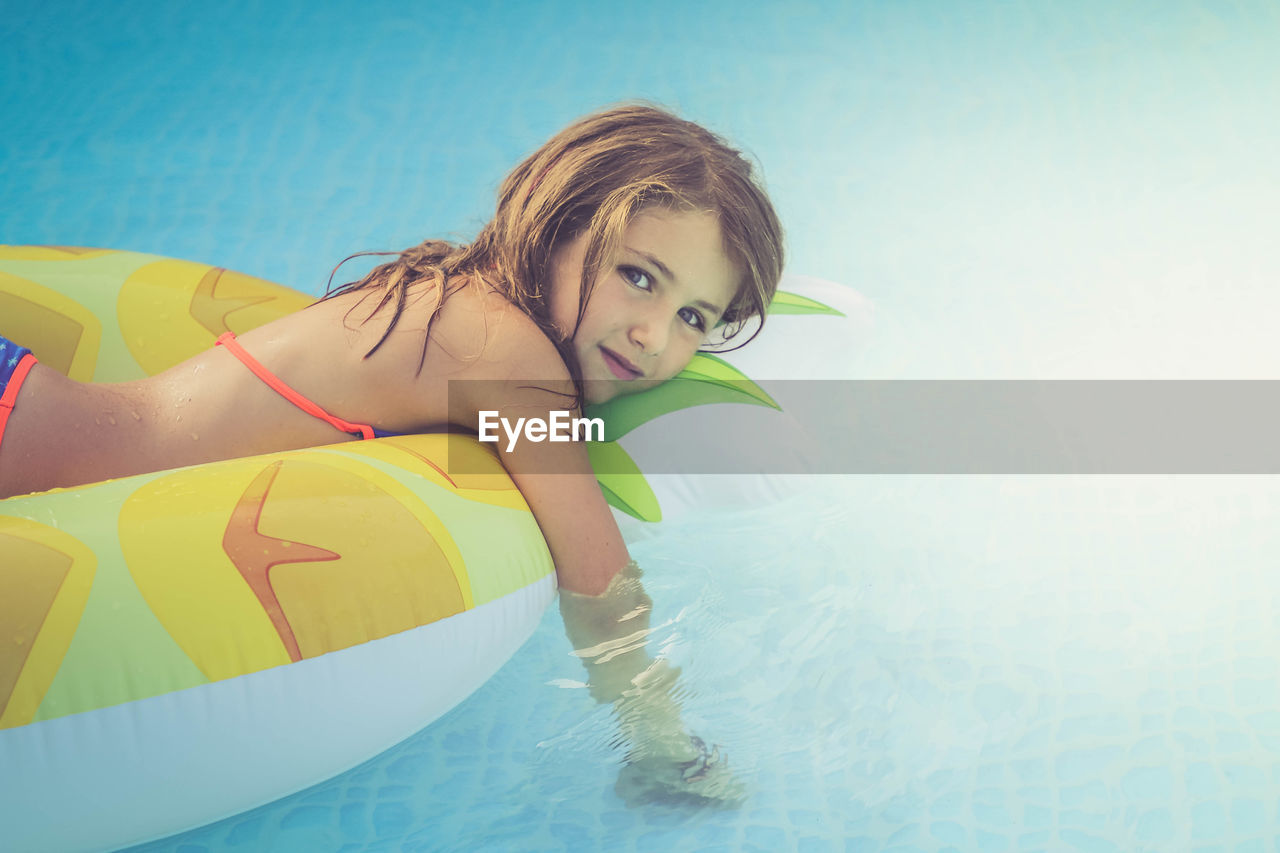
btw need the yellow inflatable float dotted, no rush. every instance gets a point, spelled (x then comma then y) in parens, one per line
(181, 646)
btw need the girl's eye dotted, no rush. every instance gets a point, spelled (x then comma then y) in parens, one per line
(637, 277)
(694, 319)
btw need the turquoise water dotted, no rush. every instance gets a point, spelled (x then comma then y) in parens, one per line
(1023, 190)
(890, 664)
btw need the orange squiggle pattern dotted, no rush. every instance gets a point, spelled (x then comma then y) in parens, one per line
(254, 553)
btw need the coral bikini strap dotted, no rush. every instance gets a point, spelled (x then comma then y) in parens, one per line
(228, 340)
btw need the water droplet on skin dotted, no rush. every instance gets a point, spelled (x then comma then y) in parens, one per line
(136, 416)
(195, 437)
(111, 420)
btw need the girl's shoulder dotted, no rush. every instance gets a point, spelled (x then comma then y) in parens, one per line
(480, 327)
(481, 335)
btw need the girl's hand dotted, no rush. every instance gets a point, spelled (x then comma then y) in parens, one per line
(701, 781)
(665, 764)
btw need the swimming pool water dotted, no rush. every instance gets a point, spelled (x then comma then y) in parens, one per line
(890, 664)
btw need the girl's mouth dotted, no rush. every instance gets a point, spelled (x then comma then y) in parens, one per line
(619, 366)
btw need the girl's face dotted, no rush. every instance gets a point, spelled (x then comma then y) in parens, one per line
(654, 304)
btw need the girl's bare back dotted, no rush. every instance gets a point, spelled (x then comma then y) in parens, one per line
(213, 406)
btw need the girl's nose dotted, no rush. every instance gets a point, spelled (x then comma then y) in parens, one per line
(649, 332)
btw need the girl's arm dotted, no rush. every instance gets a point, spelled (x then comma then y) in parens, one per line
(606, 615)
(665, 763)
(604, 605)
(579, 527)
(610, 635)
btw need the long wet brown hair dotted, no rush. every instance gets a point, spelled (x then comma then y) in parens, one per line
(593, 177)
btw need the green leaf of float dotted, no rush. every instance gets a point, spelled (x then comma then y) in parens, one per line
(793, 303)
(706, 380)
(623, 484)
(712, 368)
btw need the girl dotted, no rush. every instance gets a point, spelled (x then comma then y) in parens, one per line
(617, 249)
